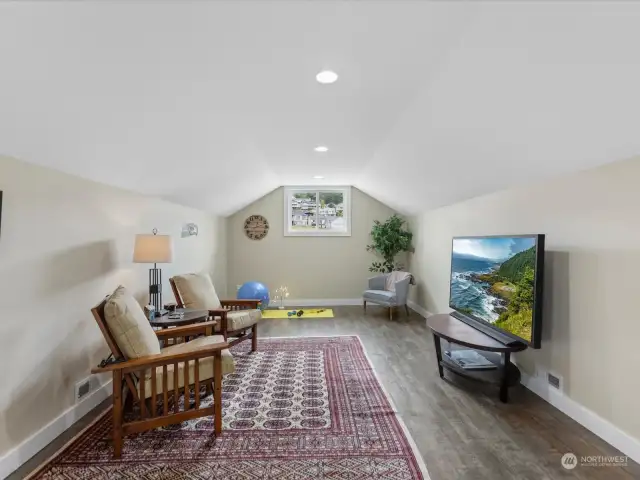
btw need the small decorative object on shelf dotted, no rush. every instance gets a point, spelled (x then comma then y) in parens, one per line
(280, 294)
(470, 360)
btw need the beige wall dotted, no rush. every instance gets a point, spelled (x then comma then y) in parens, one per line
(591, 322)
(311, 267)
(65, 243)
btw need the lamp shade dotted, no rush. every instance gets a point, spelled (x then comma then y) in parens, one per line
(153, 249)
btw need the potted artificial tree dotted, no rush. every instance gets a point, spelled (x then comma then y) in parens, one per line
(389, 239)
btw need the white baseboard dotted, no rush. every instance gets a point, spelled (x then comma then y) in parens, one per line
(418, 309)
(317, 302)
(611, 434)
(13, 459)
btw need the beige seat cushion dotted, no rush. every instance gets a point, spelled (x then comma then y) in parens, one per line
(197, 291)
(239, 319)
(205, 370)
(129, 326)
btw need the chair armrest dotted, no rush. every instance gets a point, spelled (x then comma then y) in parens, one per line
(162, 359)
(253, 303)
(402, 290)
(187, 330)
(222, 313)
(377, 282)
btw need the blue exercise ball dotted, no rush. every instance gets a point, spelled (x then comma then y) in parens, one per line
(255, 290)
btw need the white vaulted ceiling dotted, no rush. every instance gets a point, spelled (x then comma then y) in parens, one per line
(213, 104)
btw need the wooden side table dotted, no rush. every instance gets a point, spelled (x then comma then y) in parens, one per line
(455, 331)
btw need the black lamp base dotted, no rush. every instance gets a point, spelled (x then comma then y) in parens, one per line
(155, 290)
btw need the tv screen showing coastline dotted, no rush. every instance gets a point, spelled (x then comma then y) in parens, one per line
(493, 279)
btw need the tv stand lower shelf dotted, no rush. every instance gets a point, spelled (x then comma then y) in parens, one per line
(457, 332)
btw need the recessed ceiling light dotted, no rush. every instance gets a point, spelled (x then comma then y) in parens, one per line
(321, 148)
(318, 177)
(327, 76)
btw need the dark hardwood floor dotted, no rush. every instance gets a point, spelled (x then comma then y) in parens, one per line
(461, 428)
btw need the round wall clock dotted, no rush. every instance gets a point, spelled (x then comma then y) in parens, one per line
(256, 227)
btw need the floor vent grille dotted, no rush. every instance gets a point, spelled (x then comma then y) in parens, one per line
(82, 389)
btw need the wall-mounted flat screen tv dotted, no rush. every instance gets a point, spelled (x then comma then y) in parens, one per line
(497, 282)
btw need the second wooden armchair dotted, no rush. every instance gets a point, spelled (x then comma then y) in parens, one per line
(238, 318)
(155, 378)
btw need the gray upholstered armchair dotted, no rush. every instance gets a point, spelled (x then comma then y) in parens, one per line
(390, 290)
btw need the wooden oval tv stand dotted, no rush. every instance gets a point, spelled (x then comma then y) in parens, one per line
(456, 331)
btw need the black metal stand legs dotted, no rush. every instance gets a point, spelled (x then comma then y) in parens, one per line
(155, 288)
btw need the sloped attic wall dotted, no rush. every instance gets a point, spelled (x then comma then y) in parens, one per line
(65, 243)
(590, 315)
(311, 267)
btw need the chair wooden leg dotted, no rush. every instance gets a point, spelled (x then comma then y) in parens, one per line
(129, 395)
(148, 402)
(364, 306)
(117, 413)
(406, 309)
(223, 327)
(217, 393)
(131, 385)
(254, 338)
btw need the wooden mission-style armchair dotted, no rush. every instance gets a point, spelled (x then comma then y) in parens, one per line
(155, 377)
(238, 318)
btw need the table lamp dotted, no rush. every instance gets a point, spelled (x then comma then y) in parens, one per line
(154, 249)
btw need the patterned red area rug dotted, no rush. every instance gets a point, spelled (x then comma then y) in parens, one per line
(298, 408)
